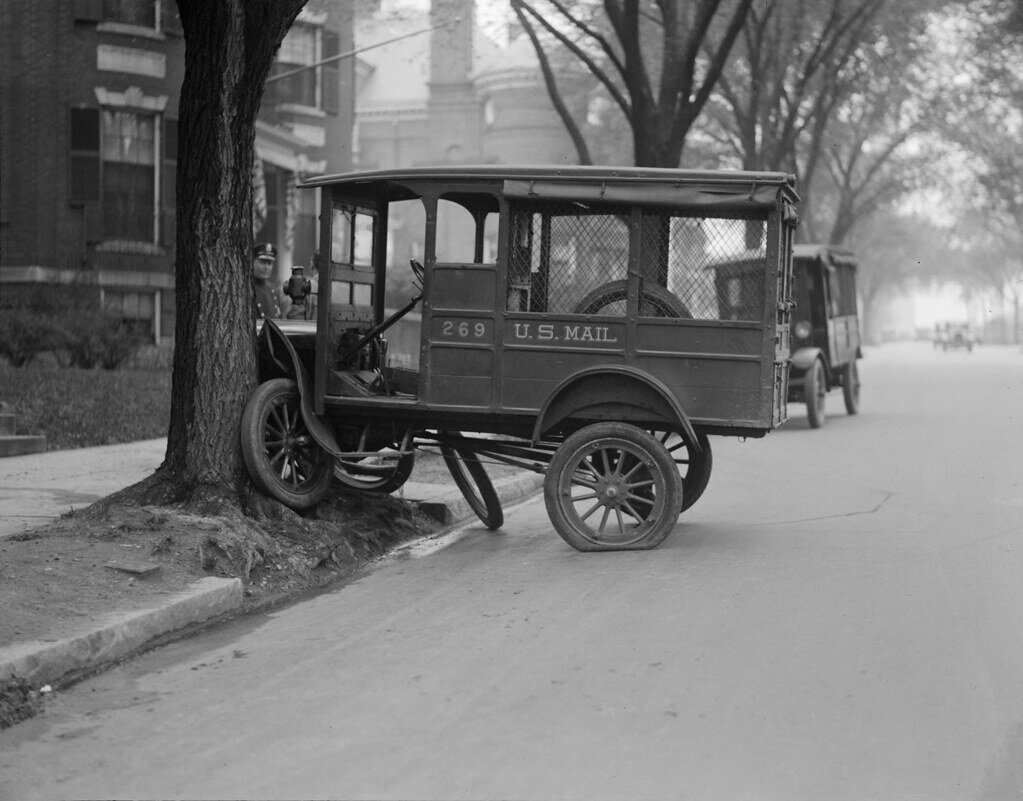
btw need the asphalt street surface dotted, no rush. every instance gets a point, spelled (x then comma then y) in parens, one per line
(839, 617)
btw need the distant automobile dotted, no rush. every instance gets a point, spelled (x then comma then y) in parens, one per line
(953, 336)
(825, 329)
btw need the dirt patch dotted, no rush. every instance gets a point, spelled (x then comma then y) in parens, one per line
(60, 579)
(61, 576)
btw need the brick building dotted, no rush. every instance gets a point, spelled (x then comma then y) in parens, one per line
(88, 140)
(88, 131)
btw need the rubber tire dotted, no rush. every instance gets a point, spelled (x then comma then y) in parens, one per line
(379, 483)
(478, 490)
(656, 298)
(696, 471)
(815, 391)
(274, 408)
(851, 387)
(564, 470)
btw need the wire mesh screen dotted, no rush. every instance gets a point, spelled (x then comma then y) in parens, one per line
(573, 258)
(562, 252)
(715, 266)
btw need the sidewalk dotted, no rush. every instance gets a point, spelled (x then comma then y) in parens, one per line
(37, 488)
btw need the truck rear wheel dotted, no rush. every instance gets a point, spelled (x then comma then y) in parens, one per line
(654, 301)
(694, 468)
(612, 487)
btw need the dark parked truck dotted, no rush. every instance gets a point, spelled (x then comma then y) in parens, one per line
(573, 322)
(825, 324)
(825, 328)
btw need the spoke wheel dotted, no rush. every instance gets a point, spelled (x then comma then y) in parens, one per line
(694, 468)
(851, 387)
(814, 391)
(281, 455)
(613, 486)
(478, 490)
(383, 473)
(610, 298)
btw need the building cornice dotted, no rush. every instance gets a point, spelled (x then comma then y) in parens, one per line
(513, 78)
(388, 111)
(110, 279)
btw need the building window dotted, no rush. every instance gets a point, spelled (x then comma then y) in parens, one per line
(153, 19)
(305, 230)
(115, 169)
(300, 48)
(265, 228)
(129, 175)
(138, 309)
(143, 13)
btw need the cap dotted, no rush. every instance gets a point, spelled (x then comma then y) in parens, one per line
(264, 250)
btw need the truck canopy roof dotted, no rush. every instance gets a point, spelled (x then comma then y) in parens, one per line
(726, 190)
(830, 254)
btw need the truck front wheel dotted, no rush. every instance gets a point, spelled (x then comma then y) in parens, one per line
(281, 455)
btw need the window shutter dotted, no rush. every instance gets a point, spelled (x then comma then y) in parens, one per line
(331, 71)
(170, 139)
(93, 215)
(84, 181)
(88, 10)
(170, 23)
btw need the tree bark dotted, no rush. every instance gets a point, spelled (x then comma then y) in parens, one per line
(616, 50)
(230, 46)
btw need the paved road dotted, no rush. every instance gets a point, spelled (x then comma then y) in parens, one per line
(840, 617)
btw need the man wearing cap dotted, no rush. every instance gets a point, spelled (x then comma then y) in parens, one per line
(264, 258)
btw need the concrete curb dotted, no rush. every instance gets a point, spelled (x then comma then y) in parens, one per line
(451, 507)
(47, 663)
(42, 663)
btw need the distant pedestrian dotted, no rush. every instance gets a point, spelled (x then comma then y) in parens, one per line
(264, 296)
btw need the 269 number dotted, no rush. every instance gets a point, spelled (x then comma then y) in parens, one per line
(464, 329)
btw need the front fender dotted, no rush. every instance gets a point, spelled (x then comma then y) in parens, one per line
(608, 386)
(278, 358)
(803, 359)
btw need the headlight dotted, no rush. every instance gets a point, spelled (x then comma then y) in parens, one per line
(803, 330)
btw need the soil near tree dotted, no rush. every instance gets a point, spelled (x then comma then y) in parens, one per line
(61, 578)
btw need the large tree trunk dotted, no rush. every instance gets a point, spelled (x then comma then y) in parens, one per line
(626, 37)
(230, 46)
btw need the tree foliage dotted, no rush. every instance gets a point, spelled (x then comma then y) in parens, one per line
(895, 251)
(828, 92)
(979, 113)
(657, 62)
(795, 62)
